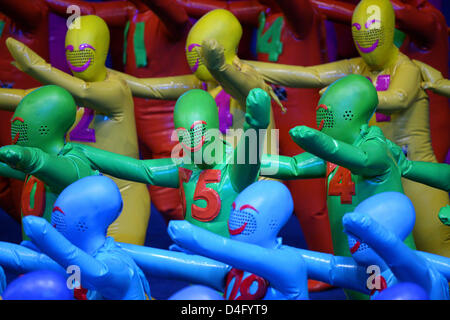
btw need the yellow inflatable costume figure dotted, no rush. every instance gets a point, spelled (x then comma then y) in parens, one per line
(106, 117)
(217, 28)
(402, 113)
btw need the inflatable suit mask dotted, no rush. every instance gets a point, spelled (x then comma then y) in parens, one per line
(400, 221)
(346, 105)
(220, 25)
(259, 212)
(87, 44)
(85, 209)
(43, 118)
(195, 117)
(373, 27)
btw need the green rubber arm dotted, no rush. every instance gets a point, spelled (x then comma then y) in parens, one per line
(159, 172)
(8, 172)
(247, 156)
(369, 159)
(302, 166)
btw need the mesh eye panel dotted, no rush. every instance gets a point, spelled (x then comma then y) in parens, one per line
(239, 218)
(362, 246)
(327, 116)
(193, 137)
(348, 115)
(367, 38)
(192, 58)
(58, 221)
(79, 57)
(22, 129)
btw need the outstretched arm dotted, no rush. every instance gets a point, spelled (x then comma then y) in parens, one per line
(95, 274)
(302, 77)
(285, 272)
(160, 172)
(302, 166)
(247, 155)
(433, 174)
(369, 159)
(10, 98)
(166, 88)
(405, 263)
(433, 79)
(20, 259)
(178, 265)
(56, 171)
(107, 97)
(237, 79)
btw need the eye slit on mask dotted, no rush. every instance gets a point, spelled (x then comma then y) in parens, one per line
(19, 130)
(327, 116)
(78, 58)
(193, 59)
(240, 218)
(368, 37)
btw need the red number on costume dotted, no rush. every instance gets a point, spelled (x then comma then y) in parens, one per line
(244, 286)
(211, 196)
(39, 198)
(184, 175)
(341, 184)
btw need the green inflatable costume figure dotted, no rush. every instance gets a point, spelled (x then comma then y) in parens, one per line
(39, 154)
(209, 174)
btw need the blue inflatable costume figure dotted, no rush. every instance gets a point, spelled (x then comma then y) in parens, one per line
(263, 268)
(80, 218)
(376, 228)
(39, 285)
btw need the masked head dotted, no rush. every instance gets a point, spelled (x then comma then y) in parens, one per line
(85, 209)
(259, 212)
(43, 117)
(220, 25)
(87, 45)
(393, 211)
(373, 27)
(196, 119)
(346, 105)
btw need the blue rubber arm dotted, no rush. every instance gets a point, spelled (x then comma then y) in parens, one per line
(178, 265)
(95, 274)
(284, 270)
(405, 263)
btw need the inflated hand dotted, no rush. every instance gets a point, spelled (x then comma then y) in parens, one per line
(14, 156)
(212, 54)
(181, 232)
(444, 215)
(24, 57)
(307, 137)
(258, 109)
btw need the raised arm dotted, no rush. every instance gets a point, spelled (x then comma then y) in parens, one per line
(369, 159)
(237, 79)
(178, 265)
(106, 96)
(10, 98)
(56, 171)
(285, 272)
(433, 79)
(160, 172)
(166, 88)
(20, 259)
(247, 155)
(302, 77)
(405, 263)
(27, 13)
(95, 274)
